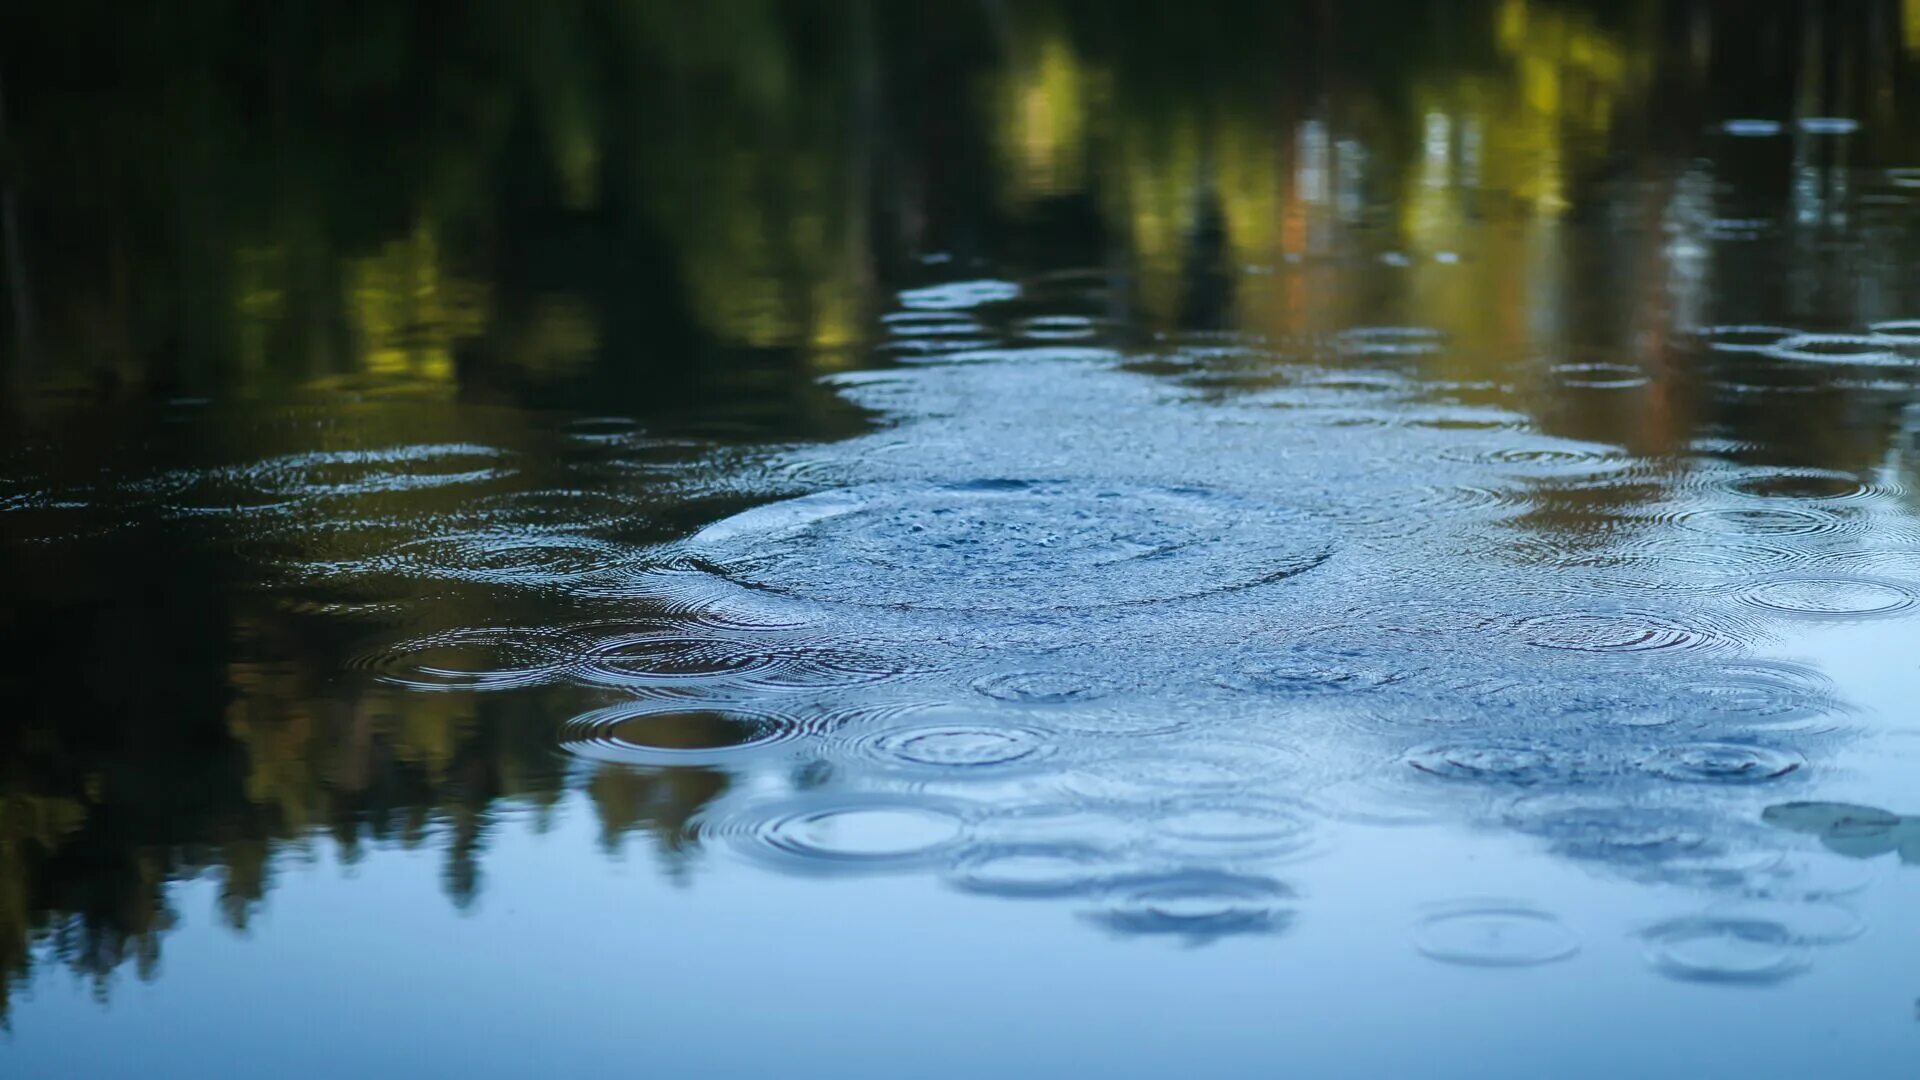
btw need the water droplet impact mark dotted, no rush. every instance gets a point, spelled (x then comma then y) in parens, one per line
(841, 834)
(1863, 350)
(1056, 327)
(957, 746)
(1829, 125)
(478, 658)
(1230, 828)
(1599, 376)
(1722, 763)
(506, 556)
(1043, 687)
(959, 295)
(1391, 340)
(1198, 905)
(601, 429)
(1898, 332)
(670, 655)
(1807, 922)
(1494, 934)
(1759, 520)
(1831, 596)
(1033, 869)
(1746, 337)
(1515, 764)
(1615, 632)
(1010, 545)
(1724, 950)
(1810, 484)
(678, 733)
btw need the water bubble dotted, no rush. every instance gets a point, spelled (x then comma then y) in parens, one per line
(1722, 763)
(1495, 934)
(1010, 545)
(1724, 950)
(1196, 904)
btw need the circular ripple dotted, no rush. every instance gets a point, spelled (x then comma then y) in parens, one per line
(1812, 484)
(1832, 597)
(1725, 950)
(1898, 331)
(657, 733)
(847, 834)
(1829, 125)
(361, 472)
(959, 295)
(1599, 376)
(1722, 763)
(1760, 693)
(1519, 765)
(1392, 340)
(1867, 350)
(1751, 128)
(957, 746)
(1043, 687)
(669, 656)
(514, 557)
(1010, 545)
(1807, 922)
(1759, 520)
(1495, 935)
(1056, 327)
(1032, 869)
(1615, 632)
(601, 429)
(1230, 828)
(477, 658)
(1746, 337)
(1196, 903)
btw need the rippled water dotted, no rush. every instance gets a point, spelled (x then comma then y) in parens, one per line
(1396, 583)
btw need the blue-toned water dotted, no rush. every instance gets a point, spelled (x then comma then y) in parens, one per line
(1037, 552)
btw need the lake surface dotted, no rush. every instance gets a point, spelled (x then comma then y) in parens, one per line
(846, 540)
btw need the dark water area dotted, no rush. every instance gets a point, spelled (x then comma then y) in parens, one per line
(862, 539)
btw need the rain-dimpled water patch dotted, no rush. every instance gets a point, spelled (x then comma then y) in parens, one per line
(1010, 545)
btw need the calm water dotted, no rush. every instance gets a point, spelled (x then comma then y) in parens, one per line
(846, 540)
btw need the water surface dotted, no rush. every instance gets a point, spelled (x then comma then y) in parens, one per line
(851, 541)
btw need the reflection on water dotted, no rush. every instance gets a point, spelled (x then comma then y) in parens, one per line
(1081, 455)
